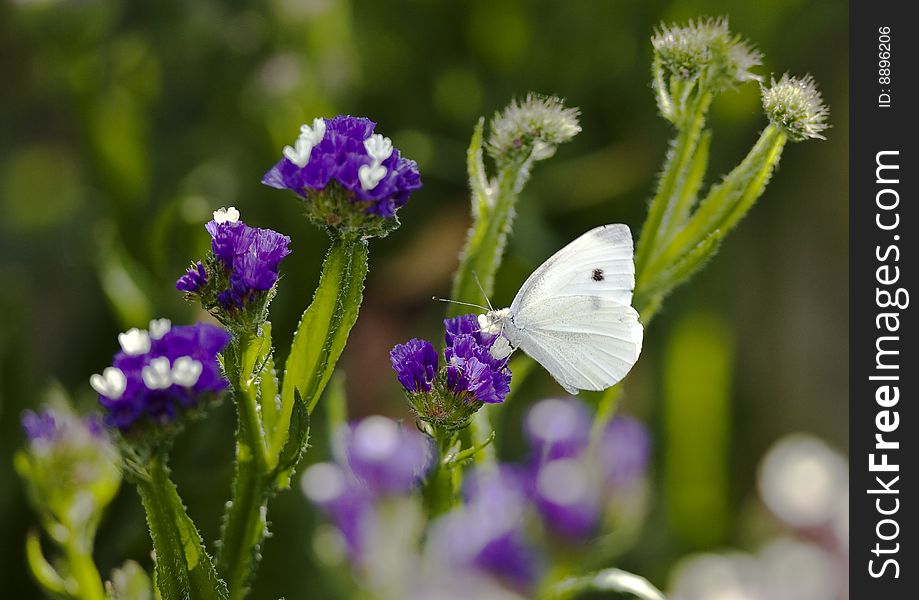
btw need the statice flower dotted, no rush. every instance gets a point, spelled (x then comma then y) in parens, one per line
(379, 459)
(624, 449)
(70, 468)
(488, 533)
(386, 457)
(558, 428)
(573, 483)
(236, 281)
(470, 377)
(568, 497)
(160, 374)
(351, 179)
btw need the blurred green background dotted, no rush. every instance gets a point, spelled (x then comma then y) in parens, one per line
(124, 124)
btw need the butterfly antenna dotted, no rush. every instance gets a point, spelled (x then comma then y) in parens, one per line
(479, 306)
(481, 289)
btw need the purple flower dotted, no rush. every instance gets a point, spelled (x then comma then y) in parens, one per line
(39, 426)
(472, 370)
(470, 377)
(348, 504)
(346, 151)
(248, 257)
(624, 450)
(193, 280)
(568, 498)
(466, 325)
(488, 533)
(386, 457)
(50, 426)
(558, 428)
(415, 363)
(159, 373)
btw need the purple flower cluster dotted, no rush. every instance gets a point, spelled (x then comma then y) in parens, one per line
(245, 263)
(378, 458)
(488, 532)
(161, 372)
(345, 150)
(470, 373)
(48, 427)
(570, 478)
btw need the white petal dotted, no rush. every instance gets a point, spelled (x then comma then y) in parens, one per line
(159, 328)
(371, 175)
(157, 375)
(226, 215)
(378, 147)
(186, 371)
(134, 341)
(110, 384)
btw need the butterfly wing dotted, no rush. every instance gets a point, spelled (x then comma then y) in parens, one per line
(574, 315)
(599, 263)
(585, 342)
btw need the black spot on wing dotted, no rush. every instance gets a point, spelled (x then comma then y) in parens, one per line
(597, 275)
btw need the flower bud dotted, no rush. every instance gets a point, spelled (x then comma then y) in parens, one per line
(70, 468)
(796, 106)
(531, 129)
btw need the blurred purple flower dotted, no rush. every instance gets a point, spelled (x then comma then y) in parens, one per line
(386, 457)
(39, 426)
(161, 372)
(568, 498)
(345, 150)
(624, 451)
(488, 532)
(558, 428)
(347, 503)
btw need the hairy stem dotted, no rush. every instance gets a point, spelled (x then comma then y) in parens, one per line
(184, 570)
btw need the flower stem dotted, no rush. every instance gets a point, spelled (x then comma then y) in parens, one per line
(184, 570)
(83, 570)
(439, 489)
(678, 164)
(244, 523)
(492, 217)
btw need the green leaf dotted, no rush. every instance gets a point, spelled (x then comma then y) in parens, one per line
(607, 580)
(729, 201)
(685, 267)
(184, 571)
(297, 442)
(323, 330)
(268, 394)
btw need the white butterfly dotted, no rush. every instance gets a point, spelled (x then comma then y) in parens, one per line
(573, 315)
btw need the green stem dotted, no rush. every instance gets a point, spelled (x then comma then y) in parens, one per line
(492, 217)
(678, 164)
(184, 570)
(606, 410)
(439, 489)
(726, 203)
(83, 570)
(244, 525)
